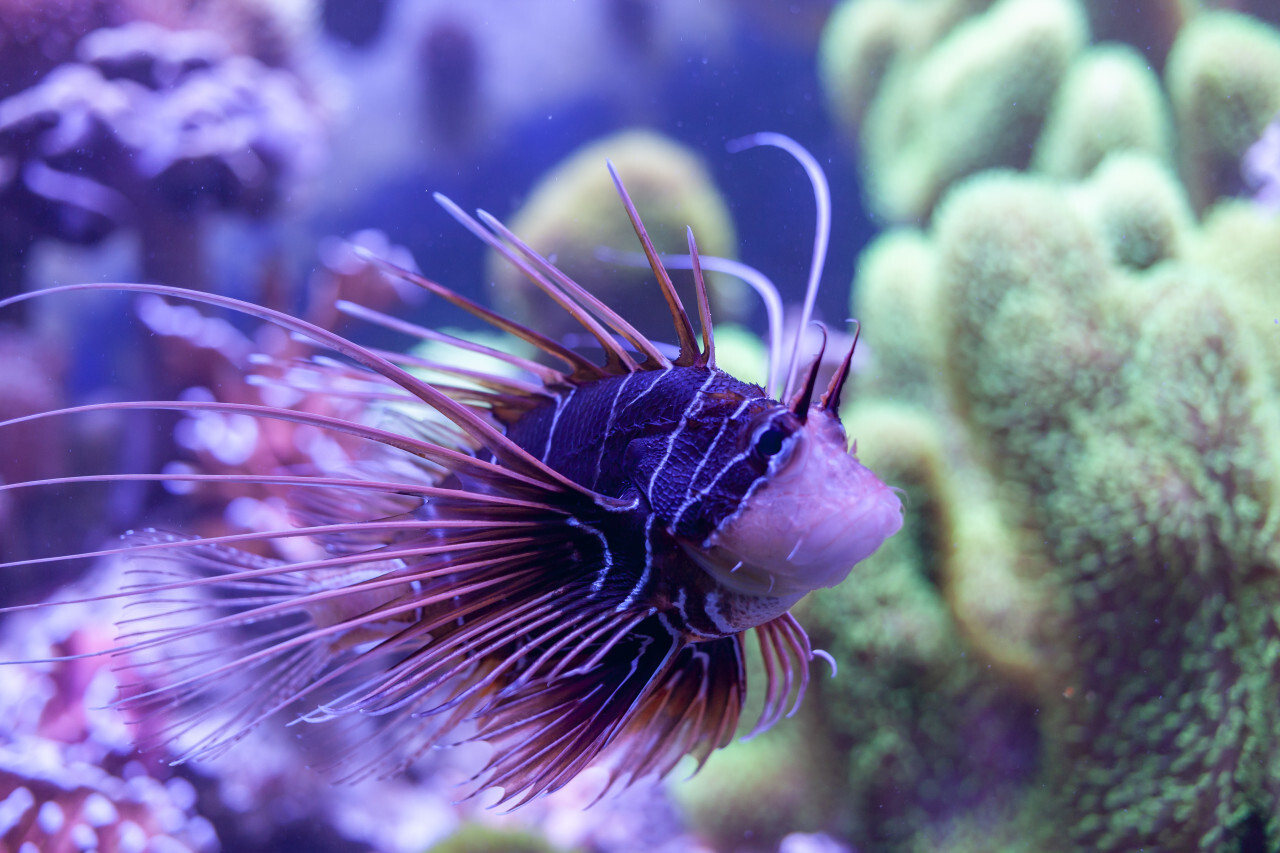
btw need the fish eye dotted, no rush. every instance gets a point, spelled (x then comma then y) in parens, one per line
(769, 442)
(770, 438)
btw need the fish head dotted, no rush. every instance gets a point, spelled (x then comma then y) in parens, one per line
(812, 514)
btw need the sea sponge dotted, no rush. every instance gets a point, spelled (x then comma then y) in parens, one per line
(573, 213)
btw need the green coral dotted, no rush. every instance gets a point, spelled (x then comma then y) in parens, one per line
(903, 309)
(1138, 209)
(1003, 66)
(749, 797)
(478, 838)
(574, 212)
(1226, 228)
(938, 90)
(1075, 378)
(1110, 100)
(919, 740)
(1224, 79)
(1093, 477)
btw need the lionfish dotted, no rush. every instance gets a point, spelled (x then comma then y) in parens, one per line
(563, 564)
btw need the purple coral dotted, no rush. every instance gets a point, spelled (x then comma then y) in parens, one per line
(1261, 167)
(58, 808)
(70, 777)
(151, 129)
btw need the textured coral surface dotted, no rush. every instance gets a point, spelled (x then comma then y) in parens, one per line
(1075, 381)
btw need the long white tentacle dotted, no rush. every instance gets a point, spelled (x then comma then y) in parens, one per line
(822, 231)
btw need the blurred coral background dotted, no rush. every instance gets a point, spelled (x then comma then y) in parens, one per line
(1055, 219)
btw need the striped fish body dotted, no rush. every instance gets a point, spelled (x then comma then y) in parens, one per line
(565, 566)
(675, 446)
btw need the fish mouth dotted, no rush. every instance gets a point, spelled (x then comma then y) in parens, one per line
(804, 526)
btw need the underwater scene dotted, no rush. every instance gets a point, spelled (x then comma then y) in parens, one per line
(725, 426)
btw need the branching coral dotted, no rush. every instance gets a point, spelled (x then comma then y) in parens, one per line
(941, 89)
(1092, 459)
(973, 100)
(150, 129)
(1109, 101)
(62, 808)
(1075, 381)
(1129, 420)
(1224, 79)
(70, 777)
